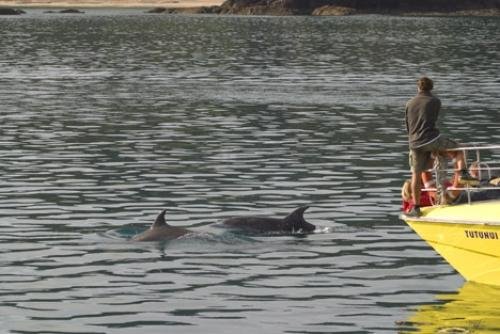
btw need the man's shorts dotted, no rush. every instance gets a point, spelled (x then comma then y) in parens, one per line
(420, 158)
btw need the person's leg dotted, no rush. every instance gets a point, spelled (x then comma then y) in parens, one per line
(443, 144)
(428, 180)
(426, 175)
(458, 159)
(419, 161)
(416, 187)
(461, 171)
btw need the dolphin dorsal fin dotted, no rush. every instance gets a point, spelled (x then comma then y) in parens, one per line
(160, 220)
(296, 217)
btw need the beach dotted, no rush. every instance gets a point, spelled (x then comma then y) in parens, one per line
(111, 3)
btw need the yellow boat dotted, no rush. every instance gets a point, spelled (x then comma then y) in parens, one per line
(467, 236)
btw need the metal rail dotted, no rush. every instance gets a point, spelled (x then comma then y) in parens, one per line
(471, 148)
(478, 149)
(440, 172)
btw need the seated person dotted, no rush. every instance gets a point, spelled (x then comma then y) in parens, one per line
(452, 195)
(495, 181)
(482, 172)
(429, 196)
(477, 194)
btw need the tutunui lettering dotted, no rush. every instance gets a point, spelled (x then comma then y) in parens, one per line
(471, 234)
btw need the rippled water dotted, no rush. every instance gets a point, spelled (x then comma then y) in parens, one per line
(108, 117)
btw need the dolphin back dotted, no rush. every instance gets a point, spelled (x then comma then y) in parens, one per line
(160, 220)
(296, 222)
(297, 214)
(161, 231)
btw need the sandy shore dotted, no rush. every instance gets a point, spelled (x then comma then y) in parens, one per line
(111, 3)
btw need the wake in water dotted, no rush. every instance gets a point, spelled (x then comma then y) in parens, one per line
(232, 231)
(128, 232)
(208, 233)
(293, 224)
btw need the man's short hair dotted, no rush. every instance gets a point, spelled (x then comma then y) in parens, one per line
(425, 84)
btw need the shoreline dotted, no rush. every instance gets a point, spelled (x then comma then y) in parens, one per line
(235, 7)
(111, 4)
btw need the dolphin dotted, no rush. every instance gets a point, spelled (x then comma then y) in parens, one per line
(294, 222)
(160, 230)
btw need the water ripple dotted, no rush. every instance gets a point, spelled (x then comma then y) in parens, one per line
(111, 116)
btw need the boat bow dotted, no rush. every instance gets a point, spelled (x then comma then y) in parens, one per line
(467, 236)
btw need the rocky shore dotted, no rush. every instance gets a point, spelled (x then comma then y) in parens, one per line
(347, 7)
(11, 11)
(310, 7)
(350, 7)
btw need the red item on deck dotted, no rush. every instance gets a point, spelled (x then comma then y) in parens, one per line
(425, 200)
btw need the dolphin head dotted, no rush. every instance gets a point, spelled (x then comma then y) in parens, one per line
(295, 221)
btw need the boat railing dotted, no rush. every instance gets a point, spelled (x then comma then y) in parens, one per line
(482, 170)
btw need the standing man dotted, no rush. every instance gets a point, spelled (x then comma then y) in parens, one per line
(424, 138)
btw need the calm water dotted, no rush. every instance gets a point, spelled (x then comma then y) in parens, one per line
(108, 117)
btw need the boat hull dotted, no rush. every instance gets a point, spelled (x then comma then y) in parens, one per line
(467, 236)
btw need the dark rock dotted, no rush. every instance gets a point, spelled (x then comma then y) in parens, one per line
(198, 10)
(157, 10)
(186, 10)
(65, 11)
(71, 11)
(334, 11)
(209, 10)
(11, 11)
(263, 7)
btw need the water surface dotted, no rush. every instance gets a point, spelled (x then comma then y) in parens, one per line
(109, 117)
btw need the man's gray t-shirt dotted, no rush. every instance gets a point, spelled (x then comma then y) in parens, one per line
(421, 116)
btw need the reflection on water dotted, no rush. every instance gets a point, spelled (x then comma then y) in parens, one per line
(109, 117)
(472, 309)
